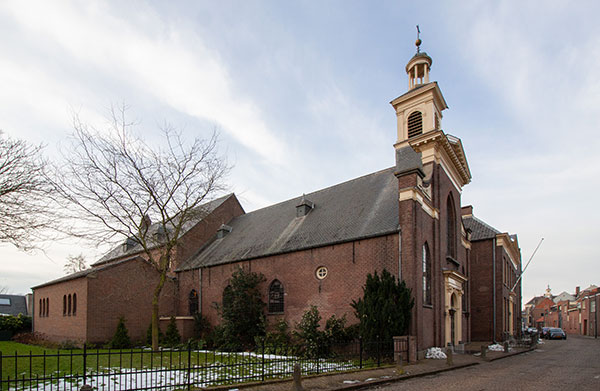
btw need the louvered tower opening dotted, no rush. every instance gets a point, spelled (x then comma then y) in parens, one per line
(415, 124)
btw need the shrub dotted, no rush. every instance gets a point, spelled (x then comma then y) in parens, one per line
(384, 310)
(121, 338)
(242, 311)
(172, 337)
(308, 333)
(15, 324)
(202, 326)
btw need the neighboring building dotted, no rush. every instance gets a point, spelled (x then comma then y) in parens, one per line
(495, 284)
(316, 249)
(13, 305)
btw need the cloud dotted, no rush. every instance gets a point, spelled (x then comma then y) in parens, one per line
(176, 68)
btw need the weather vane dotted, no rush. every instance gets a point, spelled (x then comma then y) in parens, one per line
(418, 41)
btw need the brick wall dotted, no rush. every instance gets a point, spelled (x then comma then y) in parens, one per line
(58, 326)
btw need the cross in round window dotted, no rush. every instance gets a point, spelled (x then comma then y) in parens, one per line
(321, 272)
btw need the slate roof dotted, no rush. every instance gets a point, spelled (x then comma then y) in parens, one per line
(479, 229)
(18, 305)
(135, 248)
(85, 272)
(359, 208)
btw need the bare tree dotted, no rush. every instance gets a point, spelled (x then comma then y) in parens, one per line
(24, 202)
(116, 184)
(3, 290)
(75, 263)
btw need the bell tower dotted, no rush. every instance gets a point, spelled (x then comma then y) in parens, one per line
(419, 110)
(419, 121)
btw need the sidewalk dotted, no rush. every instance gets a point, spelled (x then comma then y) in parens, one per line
(366, 378)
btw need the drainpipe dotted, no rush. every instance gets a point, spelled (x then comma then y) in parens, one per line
(399, 253)
(494, 287)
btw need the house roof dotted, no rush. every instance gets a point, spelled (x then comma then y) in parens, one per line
(135, 248)
(86, 272)
(359, 208)
(480, 230)
(13, 305)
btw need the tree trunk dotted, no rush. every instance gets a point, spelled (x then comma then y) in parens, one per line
(155, 299)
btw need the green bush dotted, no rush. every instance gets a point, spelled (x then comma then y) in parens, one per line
(242, 311)
(121, 338)
(172, 337)
(384, 311)
(202, 326)
(15, 324)
(307, 332)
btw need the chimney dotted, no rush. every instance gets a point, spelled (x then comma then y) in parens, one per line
(223, 231)
(466, 211)
(576, 291)
(304, 207)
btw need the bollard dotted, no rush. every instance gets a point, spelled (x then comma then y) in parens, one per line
(297, 383)
(505, 346)
(483, 351)
(449, 359)
(86, 387)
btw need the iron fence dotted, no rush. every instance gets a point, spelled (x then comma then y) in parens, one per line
(183, 369)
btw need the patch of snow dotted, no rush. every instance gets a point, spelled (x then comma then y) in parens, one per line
(371, 379)
(496, 348)
(435, 353)
(351, 381)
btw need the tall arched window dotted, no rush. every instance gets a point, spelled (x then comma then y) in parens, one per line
(415, 124)
(69, 305)
(47, 306)
(426, 275)
(40, 307)
(193, 302)
(74, 303)
(64, 305)
(276, 297)
(451, 227)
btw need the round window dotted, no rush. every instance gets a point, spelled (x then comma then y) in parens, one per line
(321, 272)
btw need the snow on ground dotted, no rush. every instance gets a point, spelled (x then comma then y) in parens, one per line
(435, 353)
(496, 348)
(200, 376)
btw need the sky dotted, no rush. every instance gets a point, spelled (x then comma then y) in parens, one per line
(299, 92)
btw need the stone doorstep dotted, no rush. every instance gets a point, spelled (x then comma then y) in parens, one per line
(438, 367)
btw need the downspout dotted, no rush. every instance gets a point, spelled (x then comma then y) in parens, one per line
(494, 287)
(399, 253)
(200, 291)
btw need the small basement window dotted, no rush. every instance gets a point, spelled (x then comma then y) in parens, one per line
(4, 301)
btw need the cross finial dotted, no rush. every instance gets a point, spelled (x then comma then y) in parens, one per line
(418, 41)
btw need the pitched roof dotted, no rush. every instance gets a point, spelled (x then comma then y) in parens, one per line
(359, 208)
(479, 229)
(85, 272)
(135, 247)
(13, 305)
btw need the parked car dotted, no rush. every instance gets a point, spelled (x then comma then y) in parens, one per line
(556, 333)
(544, 333)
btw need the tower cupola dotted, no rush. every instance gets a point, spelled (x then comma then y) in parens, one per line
(418, 67)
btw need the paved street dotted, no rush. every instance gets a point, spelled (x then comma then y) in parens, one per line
(573, 364)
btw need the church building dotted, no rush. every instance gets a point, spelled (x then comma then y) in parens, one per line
(315, 249)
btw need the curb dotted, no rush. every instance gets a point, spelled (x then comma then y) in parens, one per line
(511, 354)
(400, 378)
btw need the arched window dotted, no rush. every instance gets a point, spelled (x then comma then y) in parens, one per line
(426, 275)
(69, 305)
(64, 305)
(47, 306)
(193, 302)
(451, 227)
(41, 308)
(415, 124)
(276, 297)
(74, 303)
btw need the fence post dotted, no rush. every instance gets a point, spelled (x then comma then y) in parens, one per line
(360, 348)
(84, 362)
(189, 385)
(263, 359)
(378, 351)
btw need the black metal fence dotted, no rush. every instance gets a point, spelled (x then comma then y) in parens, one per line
(144, 369)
